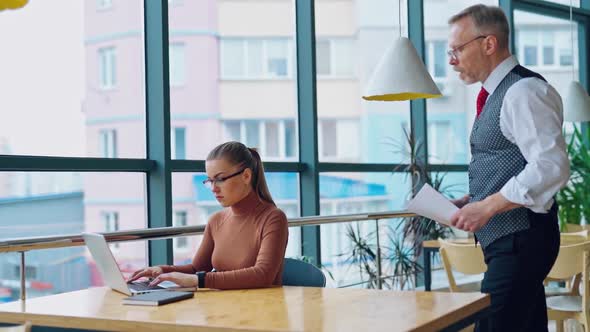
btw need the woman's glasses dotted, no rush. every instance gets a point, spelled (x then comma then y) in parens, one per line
(210, 183)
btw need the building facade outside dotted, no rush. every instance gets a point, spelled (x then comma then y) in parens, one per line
(233, 77)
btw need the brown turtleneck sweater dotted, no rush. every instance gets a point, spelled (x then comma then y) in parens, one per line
(245, 243)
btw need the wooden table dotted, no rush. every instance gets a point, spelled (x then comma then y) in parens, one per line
(429, 247)
(270, 309)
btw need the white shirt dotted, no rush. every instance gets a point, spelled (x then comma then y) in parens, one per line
(532, 117)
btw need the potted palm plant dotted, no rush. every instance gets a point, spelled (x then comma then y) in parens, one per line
(574, 199)
(398, 257)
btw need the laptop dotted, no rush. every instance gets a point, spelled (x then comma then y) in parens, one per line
(105, 261)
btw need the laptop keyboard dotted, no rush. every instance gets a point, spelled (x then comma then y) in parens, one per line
(142, 286)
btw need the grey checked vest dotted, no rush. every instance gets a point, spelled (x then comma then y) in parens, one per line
(495, 160)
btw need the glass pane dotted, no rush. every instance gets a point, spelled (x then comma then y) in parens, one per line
(90, 80)
(544, 30)
(322, 51)
(191, 198)
(252, 133)
(350, 193)
(278, 61)
(232, 55)
(449, 117)
(46, 204)
(344, 57)
(565, 67)
(575, 3)
(255, 52)
(272, 139)
(177, 64)
(351, 38)
(240, 75)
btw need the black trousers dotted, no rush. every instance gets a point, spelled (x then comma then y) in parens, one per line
(517, 265)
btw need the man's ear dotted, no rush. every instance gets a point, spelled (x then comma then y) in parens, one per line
(490, 44)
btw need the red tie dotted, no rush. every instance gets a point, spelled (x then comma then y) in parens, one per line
(481, 100)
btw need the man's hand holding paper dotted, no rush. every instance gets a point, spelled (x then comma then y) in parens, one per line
(431, 204)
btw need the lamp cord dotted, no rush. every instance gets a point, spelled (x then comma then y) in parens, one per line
(572, 37)
(399, 12)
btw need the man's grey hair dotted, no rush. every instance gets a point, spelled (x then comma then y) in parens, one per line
(488, 20)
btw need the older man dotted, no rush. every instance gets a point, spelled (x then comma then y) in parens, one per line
(518, 164)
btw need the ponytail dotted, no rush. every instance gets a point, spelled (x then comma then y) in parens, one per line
(238, 154)
(258, 179)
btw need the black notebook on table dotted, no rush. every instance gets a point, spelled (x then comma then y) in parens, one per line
(158, 298)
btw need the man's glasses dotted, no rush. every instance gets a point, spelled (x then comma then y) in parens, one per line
(454, 53)
(210, 183)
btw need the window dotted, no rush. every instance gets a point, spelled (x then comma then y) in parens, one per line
(441, 142)
(177, 140)
(436, 62)
(272, 139)
(529, 42)
(322, 51)
(544, 48)
(547, 40)
(233, 130)
(256, 58)
(174, 3)
(335, 57)
(177, 64)
(275, 139)
(108, 143)
(565, 57)
(104, 4)
(436, 58)
(107, 68)
(110, 221)
(252, 129)
(328, 137)
(178, 220)
(30, 272)
(339, 139)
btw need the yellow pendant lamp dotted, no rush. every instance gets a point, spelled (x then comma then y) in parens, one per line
(12, 4)
(401, 75)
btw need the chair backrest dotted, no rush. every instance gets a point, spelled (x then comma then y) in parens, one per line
(26, 327)
(569, 261)
(572, 260)
(574, 237)
(460, 257)
(569, 228)
(300, 273)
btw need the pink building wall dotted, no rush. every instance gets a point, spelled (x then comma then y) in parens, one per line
(194, 106)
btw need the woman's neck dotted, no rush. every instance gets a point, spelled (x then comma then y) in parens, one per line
(246, 204)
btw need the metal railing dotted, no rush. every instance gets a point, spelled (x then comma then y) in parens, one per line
(23, 245)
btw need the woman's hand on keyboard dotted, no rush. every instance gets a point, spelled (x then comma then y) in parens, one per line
(149, 272)
(181, 279)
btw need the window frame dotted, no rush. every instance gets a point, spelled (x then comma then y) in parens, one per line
(307, 165)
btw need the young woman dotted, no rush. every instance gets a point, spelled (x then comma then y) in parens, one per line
(245, 242)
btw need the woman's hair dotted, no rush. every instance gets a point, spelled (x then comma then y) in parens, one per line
(238, 154)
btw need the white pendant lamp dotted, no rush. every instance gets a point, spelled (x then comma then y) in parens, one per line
(577, 102)
(12, 4)
(401, 75)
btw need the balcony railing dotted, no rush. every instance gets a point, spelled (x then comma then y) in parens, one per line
(23, 245)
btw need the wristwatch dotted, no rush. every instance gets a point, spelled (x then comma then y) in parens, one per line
(201, 276)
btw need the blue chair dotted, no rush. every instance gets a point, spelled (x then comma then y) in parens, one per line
(300, 273)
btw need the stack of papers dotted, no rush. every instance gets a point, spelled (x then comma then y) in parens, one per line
(431, 204)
